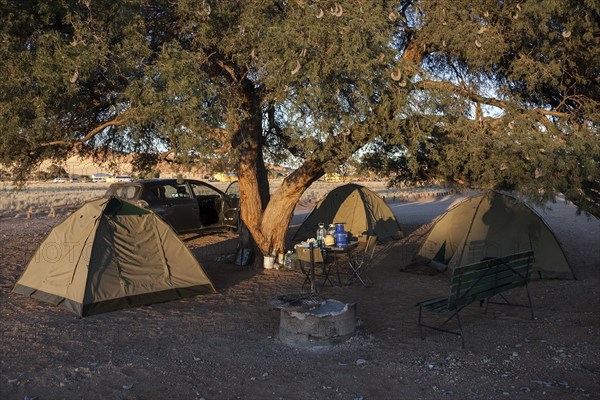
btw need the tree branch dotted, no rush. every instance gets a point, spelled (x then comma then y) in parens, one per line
(275, 129)
(91, 134)
(227, 69)
(165, 154)
(450, 87)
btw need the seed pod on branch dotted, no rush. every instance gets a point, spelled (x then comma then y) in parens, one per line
(337, 11)
(297, 68)
(396, 75)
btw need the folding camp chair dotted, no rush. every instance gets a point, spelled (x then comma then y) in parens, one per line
(311, 260)
(360, 262)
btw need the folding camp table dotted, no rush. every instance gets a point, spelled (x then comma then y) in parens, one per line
(313, 256)
(341, 254)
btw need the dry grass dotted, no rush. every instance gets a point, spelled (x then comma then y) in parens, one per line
(318, 190)
(41, 197)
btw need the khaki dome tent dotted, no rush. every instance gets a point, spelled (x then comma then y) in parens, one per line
(493, 225)
(361, 211)
(111, 254)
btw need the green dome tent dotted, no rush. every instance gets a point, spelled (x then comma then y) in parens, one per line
(493, 225)
(361, 211)
(111, 254)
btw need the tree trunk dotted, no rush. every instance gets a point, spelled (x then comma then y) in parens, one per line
(252, 174)
(278, 214)
(266, 217)
(268, 225)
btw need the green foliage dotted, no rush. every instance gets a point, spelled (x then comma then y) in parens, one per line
(43, 176)
(513, 102)
(56, 171)
(482, 93)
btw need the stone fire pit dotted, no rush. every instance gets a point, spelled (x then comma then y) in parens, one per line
(306, 319)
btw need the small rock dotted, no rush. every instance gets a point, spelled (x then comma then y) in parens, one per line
(542, 383)
(359, 398)
(525, 389)
(13, 381)
(265, 374)
(518, 345)
(361, 361)
(448, 393)
(430, 366)
(505, 393)
(253, 378)
(515, 354)
(127, 386)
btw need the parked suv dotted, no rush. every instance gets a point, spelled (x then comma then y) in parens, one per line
(187, 205)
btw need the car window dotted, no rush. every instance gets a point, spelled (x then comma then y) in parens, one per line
(124, 192)
(233, 190)
(203, 190)
(176, 191)
(156, 193)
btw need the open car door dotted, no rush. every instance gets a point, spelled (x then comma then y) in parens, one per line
(175, 203)
(231, 205)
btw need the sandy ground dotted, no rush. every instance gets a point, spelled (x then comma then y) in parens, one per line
(224, 346)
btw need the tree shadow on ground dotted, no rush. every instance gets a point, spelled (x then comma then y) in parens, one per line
(217, 255)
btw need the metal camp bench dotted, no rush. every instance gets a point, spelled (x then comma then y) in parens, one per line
(480, 282)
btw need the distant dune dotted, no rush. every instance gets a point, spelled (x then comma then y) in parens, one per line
(118, 165)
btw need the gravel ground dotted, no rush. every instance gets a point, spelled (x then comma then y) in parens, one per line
(225, 346)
